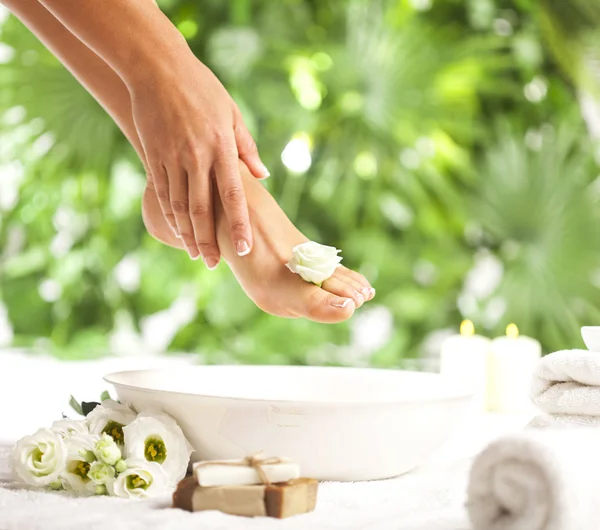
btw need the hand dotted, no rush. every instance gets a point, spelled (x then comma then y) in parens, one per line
(193, 135)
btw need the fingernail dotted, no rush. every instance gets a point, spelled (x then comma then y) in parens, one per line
(265, 172)
(211, 263)
(338, 302)
(242, 247)
(178, 236)
(193, 253)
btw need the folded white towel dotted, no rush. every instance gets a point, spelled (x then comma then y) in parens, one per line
(537, 480)
(566, 386)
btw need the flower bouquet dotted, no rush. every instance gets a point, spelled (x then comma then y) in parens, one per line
(111, 451)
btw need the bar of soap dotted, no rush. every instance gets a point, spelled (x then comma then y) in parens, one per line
(275, 500)
(229, 475)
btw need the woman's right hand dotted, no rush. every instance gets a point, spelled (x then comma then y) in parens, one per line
(193, 134)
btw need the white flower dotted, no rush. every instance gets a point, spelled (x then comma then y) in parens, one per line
(156, 437)
(140, 479)
(314, 263)
(66, 427)
(107, 451)
(101, 473)
(80, 456)
(110, 417)
(39, 459)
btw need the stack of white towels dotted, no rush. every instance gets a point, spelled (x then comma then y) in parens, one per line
(547, 477)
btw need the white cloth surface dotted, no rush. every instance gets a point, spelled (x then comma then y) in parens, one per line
(35, 390)
(566, 388)
(537, 480)
(431, 499)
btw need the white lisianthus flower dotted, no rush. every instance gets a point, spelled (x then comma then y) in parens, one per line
(156, 437)
(107, 451)
(66, 427)
(314, 262)
(141, 479)
(110, 417)
(39, 459)
(80, 456)
(101, 473)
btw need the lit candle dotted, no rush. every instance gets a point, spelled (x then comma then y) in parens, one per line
(464, 359)
(513, 361)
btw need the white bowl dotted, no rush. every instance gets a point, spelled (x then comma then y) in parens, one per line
(341, 424)
(591, 337)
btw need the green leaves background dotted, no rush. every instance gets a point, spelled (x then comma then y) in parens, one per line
(441, 132)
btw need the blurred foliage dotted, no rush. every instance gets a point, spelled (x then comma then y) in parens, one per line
(449, 138)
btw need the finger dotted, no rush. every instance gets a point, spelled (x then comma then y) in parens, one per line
(233, 198)
(178, 192)
(203, 220)
(247, 150)
(159, 183)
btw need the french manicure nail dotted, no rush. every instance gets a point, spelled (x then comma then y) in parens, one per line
(366, 292)
(266, 172)
(372, 292)
(242, 247)
(211, 263)
(360, 297)
(343, 304)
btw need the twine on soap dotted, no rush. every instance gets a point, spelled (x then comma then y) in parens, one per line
(254, 461)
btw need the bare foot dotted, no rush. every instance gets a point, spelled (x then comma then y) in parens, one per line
(262, 273)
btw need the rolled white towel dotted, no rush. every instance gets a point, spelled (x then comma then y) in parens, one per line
(566, 386)
(537, 480)
(543, 421)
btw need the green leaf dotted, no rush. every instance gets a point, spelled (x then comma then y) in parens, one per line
(88, 406)
(104, 396)
(76, 406)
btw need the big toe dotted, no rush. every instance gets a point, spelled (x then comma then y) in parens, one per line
(320, 306)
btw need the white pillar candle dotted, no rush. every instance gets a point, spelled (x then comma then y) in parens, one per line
(216, 474)
(464, 359)
(513, 362)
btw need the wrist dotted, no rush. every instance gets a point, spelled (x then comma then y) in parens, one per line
(156, 58)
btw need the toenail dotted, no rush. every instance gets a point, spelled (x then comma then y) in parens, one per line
(211, 263)
(338, 302)
(359, 296)
(242, 247)
(372, 291)
(366, 292)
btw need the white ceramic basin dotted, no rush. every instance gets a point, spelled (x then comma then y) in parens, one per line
(342, 424)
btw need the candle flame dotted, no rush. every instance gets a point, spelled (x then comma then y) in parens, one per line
(512, 331)
(467, 329)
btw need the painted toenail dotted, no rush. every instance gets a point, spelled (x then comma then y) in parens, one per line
(242, 247)
(372, 291)
(337, 302)
(360, 297)
(211, 263)
(366, 292)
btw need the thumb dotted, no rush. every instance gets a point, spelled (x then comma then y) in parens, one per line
(247, 151)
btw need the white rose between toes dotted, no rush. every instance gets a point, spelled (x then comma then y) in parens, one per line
(314, 262)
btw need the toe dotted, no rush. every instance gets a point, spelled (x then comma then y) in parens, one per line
(361, 283)
(321, 306)
(346, 288)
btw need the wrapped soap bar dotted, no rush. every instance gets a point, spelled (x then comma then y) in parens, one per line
(279, 500)
(244, 472)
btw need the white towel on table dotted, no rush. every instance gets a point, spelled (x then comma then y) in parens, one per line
(566, 387)
(537, 480)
